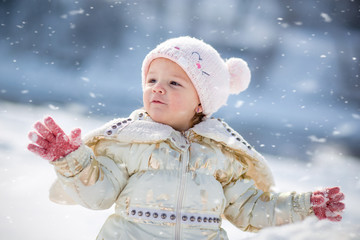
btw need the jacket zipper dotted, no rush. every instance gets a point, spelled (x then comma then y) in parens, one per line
(184, 169)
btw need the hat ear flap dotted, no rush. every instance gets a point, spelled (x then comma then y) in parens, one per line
(240, 75)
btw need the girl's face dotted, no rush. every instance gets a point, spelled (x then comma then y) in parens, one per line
(169, 95)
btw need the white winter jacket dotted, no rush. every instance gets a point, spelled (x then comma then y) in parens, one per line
(172, 185)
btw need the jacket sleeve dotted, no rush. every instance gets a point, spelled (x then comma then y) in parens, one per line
(251, 209)
(93, 180)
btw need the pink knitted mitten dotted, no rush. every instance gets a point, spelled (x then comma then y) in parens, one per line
(52, 142)
(327, 203)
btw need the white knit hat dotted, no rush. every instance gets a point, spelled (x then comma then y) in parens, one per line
(213, 78)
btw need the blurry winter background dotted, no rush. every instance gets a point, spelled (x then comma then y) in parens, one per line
(80, 62)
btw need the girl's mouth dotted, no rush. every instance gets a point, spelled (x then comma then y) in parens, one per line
(157, 101)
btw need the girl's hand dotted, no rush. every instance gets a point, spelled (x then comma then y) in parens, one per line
(52, 142)
(327, 203)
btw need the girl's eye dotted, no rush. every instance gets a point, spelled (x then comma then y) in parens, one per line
(174, 83)
(151, 81)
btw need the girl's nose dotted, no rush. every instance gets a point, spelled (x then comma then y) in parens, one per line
(158, 88)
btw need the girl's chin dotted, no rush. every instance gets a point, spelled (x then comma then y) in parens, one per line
(157, 116)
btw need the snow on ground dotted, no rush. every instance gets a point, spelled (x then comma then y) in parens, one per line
(26, 212)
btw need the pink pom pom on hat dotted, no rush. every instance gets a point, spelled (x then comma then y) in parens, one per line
(213, 78)
(239, 75)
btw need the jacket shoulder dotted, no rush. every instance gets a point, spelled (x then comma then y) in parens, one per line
(108, 130)
(138, 127)
(220, 131)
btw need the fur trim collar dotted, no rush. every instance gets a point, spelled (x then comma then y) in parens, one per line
(140, 128)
